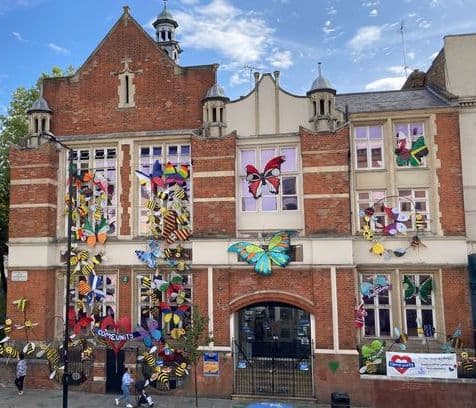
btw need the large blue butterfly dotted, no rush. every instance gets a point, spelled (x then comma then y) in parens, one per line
(261, 258)
(150, 257)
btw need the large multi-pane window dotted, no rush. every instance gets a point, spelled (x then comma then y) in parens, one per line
(396, 299)
(415, 202)
(287, 197)
(371, 199)
(176, 154)
(419, 303)
(378, 306)
(95, 187)
(368, 141)
(410, 145)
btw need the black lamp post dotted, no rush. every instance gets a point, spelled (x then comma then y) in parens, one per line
(50, 137)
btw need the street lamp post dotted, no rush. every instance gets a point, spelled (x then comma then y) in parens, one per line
(50, 137)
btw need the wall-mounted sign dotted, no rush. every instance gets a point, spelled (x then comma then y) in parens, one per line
(19, 276)
(210, 364)
(421, 365)
(241, 364)
(125, 279)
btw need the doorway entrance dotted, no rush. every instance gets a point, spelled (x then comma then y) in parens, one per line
(273, 351)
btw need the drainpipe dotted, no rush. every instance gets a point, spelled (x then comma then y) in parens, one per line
(472, 286)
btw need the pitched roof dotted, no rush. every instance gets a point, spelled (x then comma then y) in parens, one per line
(390, 101)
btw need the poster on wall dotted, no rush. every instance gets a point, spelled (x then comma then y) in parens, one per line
(210, 365)
(421, 365)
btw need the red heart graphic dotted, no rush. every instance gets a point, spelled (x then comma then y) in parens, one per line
(122, 326)
(396, 358)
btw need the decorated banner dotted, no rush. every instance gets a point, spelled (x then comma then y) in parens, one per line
(421, 365)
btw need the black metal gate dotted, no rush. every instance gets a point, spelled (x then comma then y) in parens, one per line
(273, 368)
(114, 371)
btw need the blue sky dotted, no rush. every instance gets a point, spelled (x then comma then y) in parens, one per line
(358, 41)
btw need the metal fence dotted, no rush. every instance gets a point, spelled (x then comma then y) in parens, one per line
(271, 371)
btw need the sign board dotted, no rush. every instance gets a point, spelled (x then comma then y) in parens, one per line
(421, 365)
(19, 276)
(210, 364)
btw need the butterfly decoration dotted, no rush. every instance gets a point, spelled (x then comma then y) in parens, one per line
(400, 338)
(370, 290)
(453, 341)
(150, 333)
(412, 155)
(95, 234)
(150, 257)
(173, 316)
(153, 180)
(269, 177)
(372, 355)
(423, 291)
(398, 219)
(277, 253)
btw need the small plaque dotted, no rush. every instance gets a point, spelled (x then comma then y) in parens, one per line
(19, 276)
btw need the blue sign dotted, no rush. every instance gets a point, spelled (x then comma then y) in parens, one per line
(303, 366)
(210, 364)
(241, 364)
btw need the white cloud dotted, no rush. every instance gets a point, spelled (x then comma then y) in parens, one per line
(396, 69)
(422, 23)
(373, 13)
(331, 11)
(327, 27)
(411, 55)
(370, 4)
(386, 84)
(280, 59)
(189, 2)
(239, 36)
(239, 78)
(433, 56)
(18, 36)
(364, 38)
(58, 49)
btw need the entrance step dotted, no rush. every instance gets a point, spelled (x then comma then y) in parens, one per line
(296, 402)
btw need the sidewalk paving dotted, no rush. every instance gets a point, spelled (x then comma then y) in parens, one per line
(9, 398)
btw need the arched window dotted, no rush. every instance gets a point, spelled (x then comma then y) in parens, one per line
(314, 106)
(43, 124)
(330, 107)
(214, 115)
(36, 125)
(321, 107)
(126, 82)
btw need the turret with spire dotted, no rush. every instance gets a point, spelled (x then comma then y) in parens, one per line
(39, 119)
(165, 26)
(324, 116)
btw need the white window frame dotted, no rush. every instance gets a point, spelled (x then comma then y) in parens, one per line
(279, 150)
(376, 306)
(415, 199)
(370, 144)
(418, 306)
(370, 203)
(163, 158)
(92, 164)
(409, 137)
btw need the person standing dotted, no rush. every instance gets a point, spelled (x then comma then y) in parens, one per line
(126, 382)
(21, 373)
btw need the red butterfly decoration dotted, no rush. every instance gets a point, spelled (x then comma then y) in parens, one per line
(269, 177)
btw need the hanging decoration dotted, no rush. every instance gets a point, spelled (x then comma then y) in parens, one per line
(410, 150)
(371, 355)
(359, 315)
(453, 342)
(269, 177)
(277, 253)
(395, 224)
(370, 290)
(423, 291)
(166, 194)
(93, 194)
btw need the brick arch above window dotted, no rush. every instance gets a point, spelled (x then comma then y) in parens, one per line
(271, 296)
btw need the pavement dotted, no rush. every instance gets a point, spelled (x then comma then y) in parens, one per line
(9, 398)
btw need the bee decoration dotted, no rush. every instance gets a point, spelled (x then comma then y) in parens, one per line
(53, 357)
(87, 353)
(420, 222)
(10, 352)
(466, 363)
(20, 304)
(181, 369)
(7, 328)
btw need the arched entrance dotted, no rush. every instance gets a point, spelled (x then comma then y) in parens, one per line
(273, 351)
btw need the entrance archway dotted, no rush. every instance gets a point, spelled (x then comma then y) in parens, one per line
(273, 350)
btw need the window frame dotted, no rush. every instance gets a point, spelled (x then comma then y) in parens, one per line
(368, 141)
(409, 138)
(414, 200)
(165, 156)
(243, 192)
(370, 203)
(92, 165)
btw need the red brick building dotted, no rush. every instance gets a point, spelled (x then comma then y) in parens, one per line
(131, 104)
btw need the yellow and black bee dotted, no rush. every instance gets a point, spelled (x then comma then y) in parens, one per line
(53, 357)
(155, 296)
(10, 352)
(180, 194)
(146, 282)
(181, 369)
(29, 348)
(183, 218)
(87, 353)
(161, 375)
(148, 358)
(151, 205)
(420, 222)
(168, 253)
(7, 328)
(163, 195)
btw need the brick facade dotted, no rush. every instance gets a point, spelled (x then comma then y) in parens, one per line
(168, 107)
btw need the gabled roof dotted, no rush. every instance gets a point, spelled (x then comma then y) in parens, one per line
(390, 101)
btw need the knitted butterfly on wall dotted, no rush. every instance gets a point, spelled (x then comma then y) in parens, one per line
(276, 252)
(153, 180)
(423, 291)
(398, 219)
(269, 177)
(150, 257)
